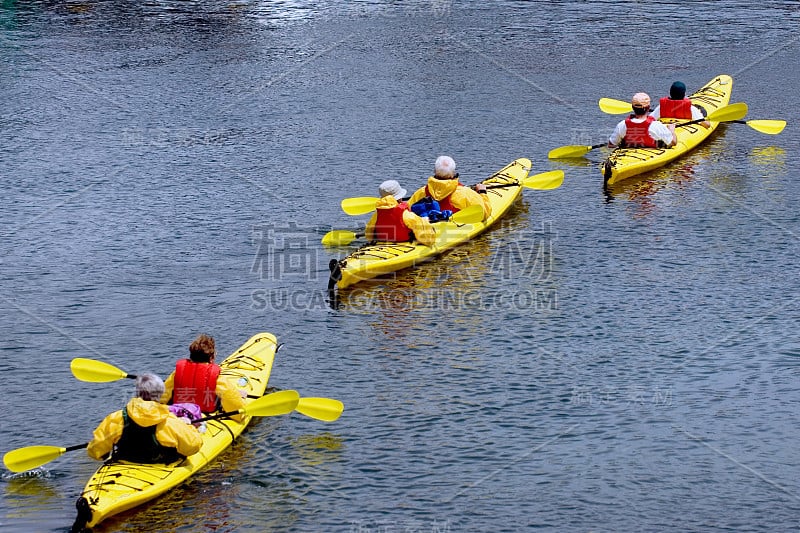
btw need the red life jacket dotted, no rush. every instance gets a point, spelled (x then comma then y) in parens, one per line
(669, 108)
(637, 134)
(196, 383)
(445, 203)
(389, 225)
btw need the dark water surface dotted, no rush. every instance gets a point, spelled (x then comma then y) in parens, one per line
(619, 361)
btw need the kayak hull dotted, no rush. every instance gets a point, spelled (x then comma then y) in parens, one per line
(624, 163)
(380, 258)
(119, 486)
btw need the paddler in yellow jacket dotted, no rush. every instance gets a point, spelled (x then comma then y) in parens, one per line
(145, 431)
(197, 380)
(394, 222)
(444, 187)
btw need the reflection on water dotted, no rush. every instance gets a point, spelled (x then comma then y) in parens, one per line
(508, 269)
(36, 488)
(576, 163)
(397, 304)
(642, 191)
(769, 162)
(318, 448)
(768, 156)
(676, 177)
(326, 441)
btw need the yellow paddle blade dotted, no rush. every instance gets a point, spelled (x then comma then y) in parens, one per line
(324, 409)
(338, 237)
(728, 113)
(30, 457)
(277, 403)
(614, 107)
(544, 181)
(469, 215)
(770, 127)
(566, 152)
(95, 371)
(360, 205)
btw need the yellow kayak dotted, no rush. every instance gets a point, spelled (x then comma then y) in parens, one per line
(378, 258)
(624, 163)
(118, 486)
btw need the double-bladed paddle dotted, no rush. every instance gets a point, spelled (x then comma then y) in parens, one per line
(472, 214)
(362, 205)
(770, 127)
(94, 371)
(728, 113)
(343, 237)
(30, 457)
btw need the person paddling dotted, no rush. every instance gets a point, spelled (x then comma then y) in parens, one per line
(144, 431)
(678, 106)
(394, 222)
(641, 130)
(197, 380)
(444, 188)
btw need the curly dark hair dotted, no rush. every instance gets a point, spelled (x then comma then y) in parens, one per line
(202, 349)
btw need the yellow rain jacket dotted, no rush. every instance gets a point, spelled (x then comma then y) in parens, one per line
(227, 392)
(170, 431)
(460, 196)
(422, 229)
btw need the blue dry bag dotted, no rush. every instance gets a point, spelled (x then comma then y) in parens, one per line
(424, 207)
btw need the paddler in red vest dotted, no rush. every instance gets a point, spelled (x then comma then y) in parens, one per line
(678, 106)
(444, 187)
(641, 130)
(197, 380)
(394, 222)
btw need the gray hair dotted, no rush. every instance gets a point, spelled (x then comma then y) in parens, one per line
(149, 387)
(444, 167)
